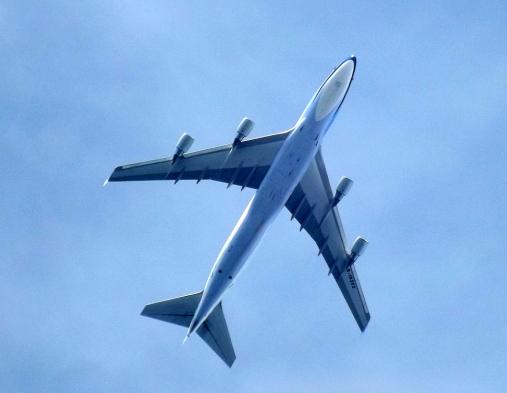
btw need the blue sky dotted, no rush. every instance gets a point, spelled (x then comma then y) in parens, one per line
(86, 86)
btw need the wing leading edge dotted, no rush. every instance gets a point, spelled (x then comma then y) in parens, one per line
(309, 205)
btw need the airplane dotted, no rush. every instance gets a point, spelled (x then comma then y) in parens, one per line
(287, 170)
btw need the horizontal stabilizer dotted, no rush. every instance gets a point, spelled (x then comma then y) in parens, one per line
(213, 331)
(179, 310)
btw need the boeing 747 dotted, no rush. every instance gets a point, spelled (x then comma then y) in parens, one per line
(286, 170)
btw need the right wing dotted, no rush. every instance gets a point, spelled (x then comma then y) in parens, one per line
(245, 165)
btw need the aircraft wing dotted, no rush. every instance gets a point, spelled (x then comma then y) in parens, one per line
(309, 204)
(244, 165)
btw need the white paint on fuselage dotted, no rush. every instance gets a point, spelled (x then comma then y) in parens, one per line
(286, 171)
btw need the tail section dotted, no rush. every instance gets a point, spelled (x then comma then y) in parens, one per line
(179, 310)
(213, 331)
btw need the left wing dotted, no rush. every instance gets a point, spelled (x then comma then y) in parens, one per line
(244, 165)
(311, 205)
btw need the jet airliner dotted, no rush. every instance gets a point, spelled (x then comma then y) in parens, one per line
(287, 170)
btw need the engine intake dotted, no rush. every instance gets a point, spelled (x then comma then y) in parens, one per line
(245, 127)
(183, 145)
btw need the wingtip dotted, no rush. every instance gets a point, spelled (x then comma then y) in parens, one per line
(106, 182)
(144, 312)
(363, 326)
(115, 175)
(231, 362)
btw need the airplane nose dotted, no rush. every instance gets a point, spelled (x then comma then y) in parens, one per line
(334, 89)
(348, 66)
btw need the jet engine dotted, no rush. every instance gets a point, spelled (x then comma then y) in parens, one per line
(358, 248)
(244, 128)
(342, 189)
(183, 145)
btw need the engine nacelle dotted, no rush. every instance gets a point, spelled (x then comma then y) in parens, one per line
(183, 145)
(244, 129)
(358, 248)
(342, 189)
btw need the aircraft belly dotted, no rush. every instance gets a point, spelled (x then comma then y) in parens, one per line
(267, 203)
(283, 176)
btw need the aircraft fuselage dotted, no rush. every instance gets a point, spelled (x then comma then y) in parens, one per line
(285, 173)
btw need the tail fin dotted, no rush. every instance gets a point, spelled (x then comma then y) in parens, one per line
(213, 331)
